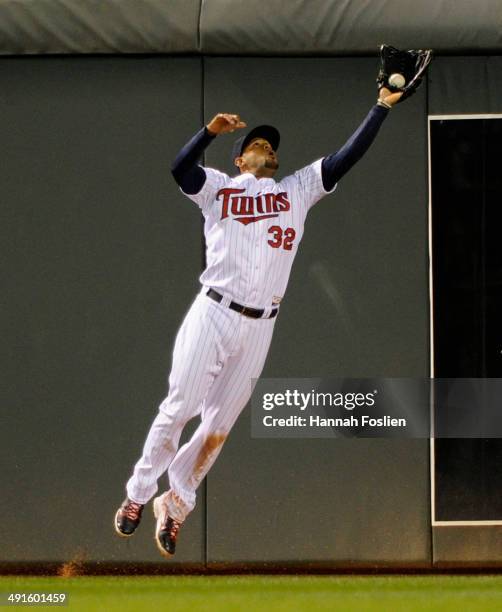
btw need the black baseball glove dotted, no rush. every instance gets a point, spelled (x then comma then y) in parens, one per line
(410, 64)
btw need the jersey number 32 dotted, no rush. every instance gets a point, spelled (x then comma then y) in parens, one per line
(282, 237)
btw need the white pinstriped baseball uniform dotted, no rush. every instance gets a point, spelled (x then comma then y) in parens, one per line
(252, 228)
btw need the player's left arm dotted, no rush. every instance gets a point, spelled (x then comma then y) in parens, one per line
(336, 165)
(189, 175)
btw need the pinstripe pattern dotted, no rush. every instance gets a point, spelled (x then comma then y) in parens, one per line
(225, 401)
(204, 340)
(216, 354)
(240, 263)
(218, 351)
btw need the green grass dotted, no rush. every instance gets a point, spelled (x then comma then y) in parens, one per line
(281, 593)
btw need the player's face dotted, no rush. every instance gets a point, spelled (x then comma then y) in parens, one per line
(259, 158)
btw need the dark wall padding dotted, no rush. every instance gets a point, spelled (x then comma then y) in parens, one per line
(102, 254)
(465, 85)
(247, 27)
(356, 305)
(93, 292)
(101, 259)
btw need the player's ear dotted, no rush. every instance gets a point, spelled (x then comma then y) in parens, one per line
(238, 161)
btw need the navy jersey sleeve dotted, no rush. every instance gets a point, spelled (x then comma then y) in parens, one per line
(185, 169)
(337, 164)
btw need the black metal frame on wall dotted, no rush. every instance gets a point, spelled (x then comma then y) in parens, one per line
(465, 295)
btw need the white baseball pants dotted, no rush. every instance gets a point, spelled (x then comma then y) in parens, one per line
(216, 354)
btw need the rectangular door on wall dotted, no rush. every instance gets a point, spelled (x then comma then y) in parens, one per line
(466, 268)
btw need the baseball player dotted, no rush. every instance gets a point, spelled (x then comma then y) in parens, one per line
(253, 227)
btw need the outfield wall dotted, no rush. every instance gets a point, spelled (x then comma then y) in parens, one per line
(102, 255)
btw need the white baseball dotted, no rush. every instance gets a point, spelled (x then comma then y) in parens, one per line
(397, 80)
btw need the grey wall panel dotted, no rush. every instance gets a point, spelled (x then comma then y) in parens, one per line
(337, 502)
(357, 305)
(357, 301)
(93, 26)
(468, 546)
(465, 85)
(240, 27)
(93, 233)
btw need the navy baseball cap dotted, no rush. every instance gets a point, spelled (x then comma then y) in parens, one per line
(268, 132)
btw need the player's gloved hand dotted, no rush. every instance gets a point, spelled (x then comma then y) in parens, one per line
(401, 72)
(223, 123)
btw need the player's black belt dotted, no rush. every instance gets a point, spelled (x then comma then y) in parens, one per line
(254, 313)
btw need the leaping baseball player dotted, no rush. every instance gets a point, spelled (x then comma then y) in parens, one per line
(253, 227)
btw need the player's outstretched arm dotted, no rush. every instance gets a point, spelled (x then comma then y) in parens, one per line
(185, 169)
(336, 165)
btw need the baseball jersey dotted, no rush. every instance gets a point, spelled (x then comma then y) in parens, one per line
(253, 228)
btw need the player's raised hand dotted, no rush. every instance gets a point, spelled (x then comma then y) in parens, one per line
(223, 123)
(389, 97)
